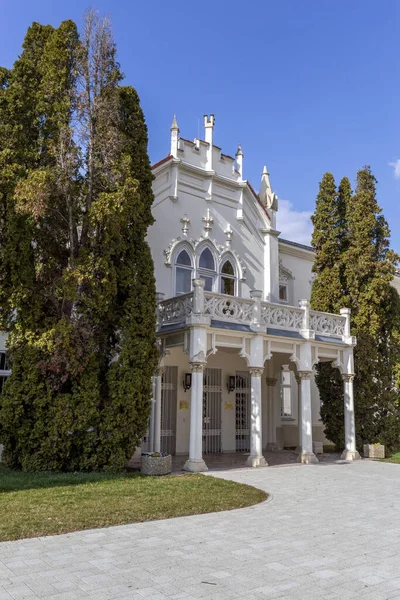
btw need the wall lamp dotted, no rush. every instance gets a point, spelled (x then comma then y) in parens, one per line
(187, 382)
(231, 383)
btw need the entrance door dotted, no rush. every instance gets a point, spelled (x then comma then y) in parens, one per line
(243, 408)
(212, 397)
(168, 410)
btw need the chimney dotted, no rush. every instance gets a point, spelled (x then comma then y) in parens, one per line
(174, 138)
(209, 122)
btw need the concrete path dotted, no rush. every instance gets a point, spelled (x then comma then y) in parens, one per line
(329, 532)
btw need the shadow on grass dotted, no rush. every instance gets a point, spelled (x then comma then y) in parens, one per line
(15, 481)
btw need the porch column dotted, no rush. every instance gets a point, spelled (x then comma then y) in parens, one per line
(152, 415)
(157, 411)
(298, 449)
(306, 455)
(195, 462)
(256, 458)
(350, 451)
(272, 446)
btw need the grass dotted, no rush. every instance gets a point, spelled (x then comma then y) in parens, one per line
(395, 458)
(39, 504)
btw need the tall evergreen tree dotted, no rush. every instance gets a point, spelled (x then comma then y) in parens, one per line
(364, 270)
(329, 290)
(369, 267)
(77, 292)
(327, 239)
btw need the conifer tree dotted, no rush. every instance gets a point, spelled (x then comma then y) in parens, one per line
(369, 267)
(77, 292)
(365, 269)
(326, 239)
(328, 291)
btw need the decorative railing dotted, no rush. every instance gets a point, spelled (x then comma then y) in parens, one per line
(260, 316)
(281, 317)
(175, 310)
(327, 324)
(226, 308)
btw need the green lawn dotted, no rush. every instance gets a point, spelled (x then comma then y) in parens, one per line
(395, 458)
(36, 504)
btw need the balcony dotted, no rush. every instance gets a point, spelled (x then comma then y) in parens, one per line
(252, 314)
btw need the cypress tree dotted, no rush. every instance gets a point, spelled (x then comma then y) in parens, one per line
(77, 291)
(326, 240)
(365, 269)
(328, 291)
(369, 267)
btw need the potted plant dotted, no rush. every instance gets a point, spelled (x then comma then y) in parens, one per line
(156, 463)
(376, 450)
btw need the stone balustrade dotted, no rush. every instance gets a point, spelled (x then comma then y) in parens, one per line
(244, 311)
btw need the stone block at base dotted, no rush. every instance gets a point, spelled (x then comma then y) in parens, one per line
(318, 447)
(156, 465)
(256, 461)
(273, 447)
(307, 458)
(374, 451)
(350, 455)
(195, 466)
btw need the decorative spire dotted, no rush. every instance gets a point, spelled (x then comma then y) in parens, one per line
(239, 161)
(174, 138)
(266, 195)
(174, 126)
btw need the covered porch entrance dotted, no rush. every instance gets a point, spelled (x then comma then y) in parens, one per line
(228, 354)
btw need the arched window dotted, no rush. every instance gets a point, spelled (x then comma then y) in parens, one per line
(206, 269)
(183, 273)
(228, 278)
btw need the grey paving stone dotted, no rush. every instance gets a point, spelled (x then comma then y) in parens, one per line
(328, 532)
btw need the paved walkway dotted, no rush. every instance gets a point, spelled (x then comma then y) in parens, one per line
(237, 460)
(330, 531)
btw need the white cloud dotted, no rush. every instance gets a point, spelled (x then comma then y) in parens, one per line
(294, 225)
(396, 168)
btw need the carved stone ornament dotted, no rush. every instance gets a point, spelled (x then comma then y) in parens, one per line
(185, 220)
(284, 274)
(219, 248)
(256, 371)
(347, 378)
(305, 374)
(208, 222)
(197, 367)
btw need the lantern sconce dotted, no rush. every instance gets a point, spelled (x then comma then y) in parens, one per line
(187, 382)
(231, 383)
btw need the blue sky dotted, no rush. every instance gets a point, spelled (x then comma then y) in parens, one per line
(305, 86)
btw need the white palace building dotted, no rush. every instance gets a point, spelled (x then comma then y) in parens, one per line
(237, 339)
(238, 342)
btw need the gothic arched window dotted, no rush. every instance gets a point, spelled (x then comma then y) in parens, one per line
(183, 273)
(207, 269)
(228, 278)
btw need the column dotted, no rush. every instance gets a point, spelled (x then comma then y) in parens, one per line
(195, 462)
(272, 445)
(298, 380)
(256, 458)
(157, 412)
(152, 415)
(306, 455)
(350, 451)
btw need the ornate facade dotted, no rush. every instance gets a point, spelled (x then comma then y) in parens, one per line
(237, 339)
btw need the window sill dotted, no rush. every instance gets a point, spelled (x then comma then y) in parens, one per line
(288, 419)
